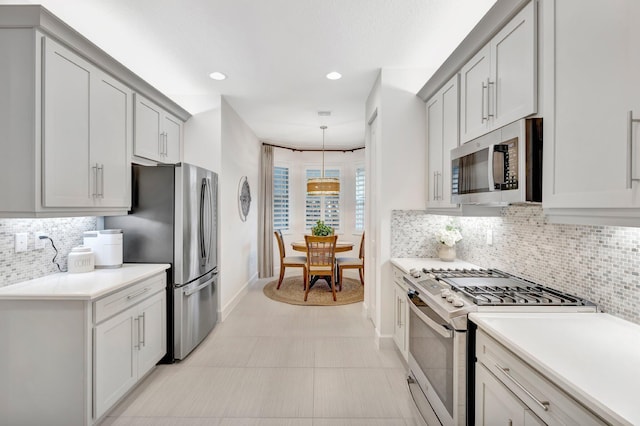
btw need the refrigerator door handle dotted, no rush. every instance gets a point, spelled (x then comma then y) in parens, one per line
(209, 220)
(203, 250)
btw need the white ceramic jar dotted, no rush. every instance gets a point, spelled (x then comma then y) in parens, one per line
(81, 259)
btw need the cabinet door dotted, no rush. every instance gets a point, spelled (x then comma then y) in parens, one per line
(153, 338)
(513, 83)
(495, 404)
(147, 141)
(450, 137)
(474, 88)
(115, 368)
(173, 137)
(434, 149)
(110, 132)
(591, 147)
(65, 128)
(400, 319)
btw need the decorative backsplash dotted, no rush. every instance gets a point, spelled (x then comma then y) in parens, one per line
(599, 263)
(65, 232)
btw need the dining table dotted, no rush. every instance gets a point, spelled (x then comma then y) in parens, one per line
(341, 247)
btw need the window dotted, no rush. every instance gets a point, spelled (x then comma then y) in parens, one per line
(359, 210)
(322, 207)
(280, 198)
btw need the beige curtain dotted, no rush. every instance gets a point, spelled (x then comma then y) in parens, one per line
(265, 212)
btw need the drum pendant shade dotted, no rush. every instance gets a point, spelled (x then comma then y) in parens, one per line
(323, 185)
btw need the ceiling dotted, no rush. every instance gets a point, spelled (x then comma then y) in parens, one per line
(275, 53)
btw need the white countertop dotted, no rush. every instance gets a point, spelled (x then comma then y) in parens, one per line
(407, 263)
(594, 357)
(81, 286)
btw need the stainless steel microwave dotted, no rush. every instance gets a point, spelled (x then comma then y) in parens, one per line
(502, 167)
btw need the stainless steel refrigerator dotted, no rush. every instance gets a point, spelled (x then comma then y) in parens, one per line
(174, 219)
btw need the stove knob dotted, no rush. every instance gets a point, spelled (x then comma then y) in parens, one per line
(458, 303)
(450, 298)
(445, 293)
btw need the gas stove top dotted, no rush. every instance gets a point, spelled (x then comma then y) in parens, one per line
(490, 287)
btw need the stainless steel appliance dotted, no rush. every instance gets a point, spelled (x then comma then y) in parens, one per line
(441, 342)
(174, 219)
(501, 167)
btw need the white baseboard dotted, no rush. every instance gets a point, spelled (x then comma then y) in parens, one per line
(229, 307)
(384, 341)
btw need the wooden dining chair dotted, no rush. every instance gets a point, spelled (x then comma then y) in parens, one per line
(290, 261)
(352, 263)
(321, 256)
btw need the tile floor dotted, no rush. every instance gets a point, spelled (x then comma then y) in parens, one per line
(273, 364)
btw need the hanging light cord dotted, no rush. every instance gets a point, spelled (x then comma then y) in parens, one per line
(323, 129)
(43, 237)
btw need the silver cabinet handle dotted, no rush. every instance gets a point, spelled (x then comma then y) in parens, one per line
(94, 170)
(165, 145)
(137, 325)
(489, 83)
(543, 404)
(144, 329)
(132, 296)
(439, 185)
(435, 195)
(398, 312)
(160, 144)
(100, 172)
(630, 122)
(484, 86)
(401, 316)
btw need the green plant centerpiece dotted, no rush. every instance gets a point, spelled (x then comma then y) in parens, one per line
(321, 230)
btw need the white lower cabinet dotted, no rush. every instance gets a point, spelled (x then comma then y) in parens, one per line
(68, 361)
(511, 392)
(496, 405)
(126, 347)
(401, 314)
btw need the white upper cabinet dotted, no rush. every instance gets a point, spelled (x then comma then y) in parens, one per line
(499, 84)
(86, 129)
(158, 134)
(442, 137)
(67, 121)
(591, 107)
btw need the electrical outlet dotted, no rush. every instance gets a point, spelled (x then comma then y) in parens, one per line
(21, 241)
(489, 236)
(38, 243)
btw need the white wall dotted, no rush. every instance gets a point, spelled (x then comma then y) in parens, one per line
(202, 136)
(397, 158)
(238, 239)
(298, 162)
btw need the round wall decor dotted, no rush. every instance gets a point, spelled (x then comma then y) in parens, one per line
(244, 198)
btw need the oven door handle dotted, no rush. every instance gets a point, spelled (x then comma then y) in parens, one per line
(441, 329)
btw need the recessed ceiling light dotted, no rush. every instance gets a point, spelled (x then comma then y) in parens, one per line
(333, 75)
(217, 75)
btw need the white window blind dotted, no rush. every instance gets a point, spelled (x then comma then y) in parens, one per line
(322, 207)
(280, 198)
(359, 199)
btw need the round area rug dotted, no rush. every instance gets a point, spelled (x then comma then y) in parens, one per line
(292, 291)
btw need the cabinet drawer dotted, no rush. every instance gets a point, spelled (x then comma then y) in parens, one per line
(123, 299)
(532, 388)
(397, 277)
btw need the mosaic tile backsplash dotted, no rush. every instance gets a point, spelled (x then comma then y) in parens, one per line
(599, 263)
(66, 233)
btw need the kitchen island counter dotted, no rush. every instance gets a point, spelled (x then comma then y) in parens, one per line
(81, 286)
(591, 356)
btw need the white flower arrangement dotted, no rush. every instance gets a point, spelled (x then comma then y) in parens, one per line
(449, 236)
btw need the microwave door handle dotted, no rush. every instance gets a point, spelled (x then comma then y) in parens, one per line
(490, 166)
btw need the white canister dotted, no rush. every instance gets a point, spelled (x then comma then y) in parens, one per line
(80, 259)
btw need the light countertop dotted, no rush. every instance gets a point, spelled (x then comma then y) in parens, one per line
(81, 286)
(407, 263)
(594, 357)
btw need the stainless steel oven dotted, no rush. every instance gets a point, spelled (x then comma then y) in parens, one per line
(441, 348)
(437, 360)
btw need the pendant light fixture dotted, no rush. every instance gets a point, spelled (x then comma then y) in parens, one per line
(323, 185)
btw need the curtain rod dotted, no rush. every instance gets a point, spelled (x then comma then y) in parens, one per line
(312, 150)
